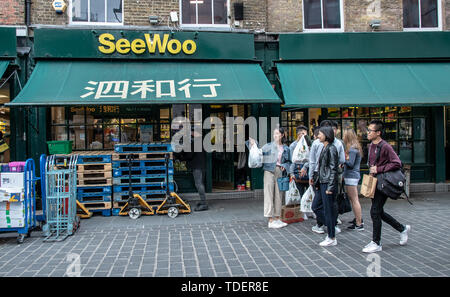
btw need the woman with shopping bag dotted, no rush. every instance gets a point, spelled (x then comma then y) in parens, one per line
(299, 150)
(276, 165)
(326, 183)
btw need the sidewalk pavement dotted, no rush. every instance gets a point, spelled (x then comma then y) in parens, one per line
(232, 239)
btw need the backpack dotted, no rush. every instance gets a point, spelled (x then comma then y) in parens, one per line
(391, 183)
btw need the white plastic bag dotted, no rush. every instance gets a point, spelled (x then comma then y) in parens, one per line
(307, 199)
(293, 195)
(301, 151)
(255, 157)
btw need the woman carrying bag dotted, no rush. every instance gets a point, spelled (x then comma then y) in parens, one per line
(276, 164)
(353, 153)
(326, 182)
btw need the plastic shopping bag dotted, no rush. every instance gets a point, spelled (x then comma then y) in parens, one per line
(255, 157)
(307, 199)
(293, 195)
(301, 151)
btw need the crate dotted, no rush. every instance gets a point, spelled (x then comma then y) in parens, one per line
(59, 147)
(142, 147)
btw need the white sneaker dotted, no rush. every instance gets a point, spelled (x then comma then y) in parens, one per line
(272, 225)
(404, 235)
(372, 247)
(339, 222)
(337, 230)
(328, 242)
(318, 229)
(281, 223)
(305, 216)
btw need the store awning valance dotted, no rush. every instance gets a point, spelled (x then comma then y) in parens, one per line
(145, 82)
(364, 84)
(3, 66)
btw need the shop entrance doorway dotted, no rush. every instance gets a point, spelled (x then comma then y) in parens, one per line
(222, 162)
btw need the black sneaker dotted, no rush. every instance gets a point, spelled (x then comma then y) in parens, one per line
(356, 227)
(354, 222)
(201, 207)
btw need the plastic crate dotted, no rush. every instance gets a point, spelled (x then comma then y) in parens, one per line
(59, 147)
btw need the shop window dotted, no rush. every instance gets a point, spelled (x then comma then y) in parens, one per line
(421, 14)
(291, 120)
(204, 12)
(5, 125)
(97, 11)
(406, 134)
(322, 15)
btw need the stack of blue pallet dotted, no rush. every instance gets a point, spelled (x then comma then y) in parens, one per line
(149, 174)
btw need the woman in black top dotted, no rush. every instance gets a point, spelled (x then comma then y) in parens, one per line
(326, 183)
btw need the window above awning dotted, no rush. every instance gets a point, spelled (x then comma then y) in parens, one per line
(364, 84)
(144, 82)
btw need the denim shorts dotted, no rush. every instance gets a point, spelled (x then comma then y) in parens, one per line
(351, 181)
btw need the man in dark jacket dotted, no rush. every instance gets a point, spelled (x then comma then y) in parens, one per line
(197, 162)
(387, 161)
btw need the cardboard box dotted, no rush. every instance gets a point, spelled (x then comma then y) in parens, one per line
(12, 194)
(13, 210)
(12, 223)
(12, 179)
(291, 214)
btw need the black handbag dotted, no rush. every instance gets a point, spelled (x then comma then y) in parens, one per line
(343, 203)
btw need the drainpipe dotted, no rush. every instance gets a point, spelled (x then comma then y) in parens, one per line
(27, 12)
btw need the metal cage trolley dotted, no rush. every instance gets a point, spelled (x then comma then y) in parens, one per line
(61, 194)
(18, 208)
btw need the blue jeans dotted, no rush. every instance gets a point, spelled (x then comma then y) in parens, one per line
(324, 206)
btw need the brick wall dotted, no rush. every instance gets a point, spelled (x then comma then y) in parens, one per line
(255, 14)
(42, 13)
(12, 12)
(359, 13)
(284, 15)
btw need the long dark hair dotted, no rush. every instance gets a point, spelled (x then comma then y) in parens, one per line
(328, 132)
(283, 133)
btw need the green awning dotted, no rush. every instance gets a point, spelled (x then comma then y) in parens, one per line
(3, 66)
(145, 82)
(364, 84)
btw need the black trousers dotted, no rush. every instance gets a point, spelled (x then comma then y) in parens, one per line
(378, 214)
(199, 175)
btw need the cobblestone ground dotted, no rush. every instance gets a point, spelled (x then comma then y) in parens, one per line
(232, 239)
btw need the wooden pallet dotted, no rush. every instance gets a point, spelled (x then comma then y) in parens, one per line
(94, 167)
(94, 174)
(95, 182)
(96, 205)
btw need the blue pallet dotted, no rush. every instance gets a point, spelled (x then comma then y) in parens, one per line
(94, 191)
(142, 187)
(104, 212)
(115, 211)
(139, 179)
(97, 198)
(85, 159)
(143, 148)
(146, 195)
(141, 171)
(140, 163)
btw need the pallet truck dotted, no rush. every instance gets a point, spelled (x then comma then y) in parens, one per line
(173, 204)
(135, 206)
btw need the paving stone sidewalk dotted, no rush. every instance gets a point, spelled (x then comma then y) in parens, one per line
(232, 239)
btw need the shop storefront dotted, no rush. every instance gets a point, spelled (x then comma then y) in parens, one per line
(8, 80)
(352, 78)
(98, 88)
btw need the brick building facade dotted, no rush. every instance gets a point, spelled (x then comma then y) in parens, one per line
(259, 15)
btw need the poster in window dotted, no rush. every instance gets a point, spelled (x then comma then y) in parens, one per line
(146, 133)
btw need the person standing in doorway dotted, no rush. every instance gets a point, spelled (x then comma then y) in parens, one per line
(276, 161)
(353, 153)
(326, 185)
(382, 158)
